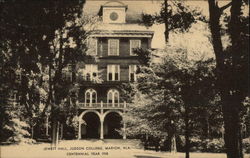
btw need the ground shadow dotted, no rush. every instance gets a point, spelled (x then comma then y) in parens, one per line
(146, 156)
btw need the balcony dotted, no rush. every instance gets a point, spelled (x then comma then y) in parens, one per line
(102, 105)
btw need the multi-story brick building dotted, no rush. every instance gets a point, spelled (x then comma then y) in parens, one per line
(112, 44)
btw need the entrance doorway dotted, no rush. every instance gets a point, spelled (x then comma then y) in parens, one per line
(91, 127)
(112, 123)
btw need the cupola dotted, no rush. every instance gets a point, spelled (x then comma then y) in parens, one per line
(113, 12)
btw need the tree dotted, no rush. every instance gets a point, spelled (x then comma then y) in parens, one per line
(232, 68)
(40, 35)
(170, 89)
(177, 17)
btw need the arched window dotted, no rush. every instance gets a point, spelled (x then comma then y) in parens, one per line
(90, 97)
(116, 97)
(113, 97)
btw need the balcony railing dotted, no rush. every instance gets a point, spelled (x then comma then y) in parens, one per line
(102, 105)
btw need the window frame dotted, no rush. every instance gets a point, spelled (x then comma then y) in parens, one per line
(130, 46)
(130, 72)
(91, 92)
(118, 47)
(92, 71)
(113, 92)
(111, 69)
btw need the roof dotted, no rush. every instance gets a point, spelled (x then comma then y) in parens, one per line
(122, 30)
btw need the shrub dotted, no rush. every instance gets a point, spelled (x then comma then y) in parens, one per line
(214, 145)
(18, 131)
(246, 145)
(199, 145)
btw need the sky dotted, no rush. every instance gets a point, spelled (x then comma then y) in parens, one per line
(152, 7)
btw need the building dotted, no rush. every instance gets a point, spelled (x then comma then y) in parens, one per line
(111, 44)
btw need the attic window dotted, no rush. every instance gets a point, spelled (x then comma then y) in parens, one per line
(113, 16)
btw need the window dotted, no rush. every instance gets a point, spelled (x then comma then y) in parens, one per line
(132, 73)
(113, 73)
(90, 97)
(92, 46)
(113, 97)
(133, 45)
(110, 97)
(113, 47)
(91, 71)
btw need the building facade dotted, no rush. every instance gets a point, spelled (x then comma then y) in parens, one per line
(110, 62)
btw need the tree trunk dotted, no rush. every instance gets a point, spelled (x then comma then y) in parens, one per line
(55, 111)
(173, 144)
(187, 132)
(208, 126)
(227, 75)
(32, 131)
(231, 121)
(240, 143)
(54, 133)
(61, 136)
(166, 33)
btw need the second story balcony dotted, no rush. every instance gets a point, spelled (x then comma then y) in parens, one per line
(102, 105)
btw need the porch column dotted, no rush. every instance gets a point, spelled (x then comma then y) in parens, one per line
(124, 130)
(79, 130)
(124, 124)
(101, 122)
(101, 131)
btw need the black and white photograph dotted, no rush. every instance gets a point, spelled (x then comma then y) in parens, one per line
(124, 79)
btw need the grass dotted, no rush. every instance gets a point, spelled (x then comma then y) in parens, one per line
(91, 149)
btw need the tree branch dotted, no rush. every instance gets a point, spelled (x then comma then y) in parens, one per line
(225, 6)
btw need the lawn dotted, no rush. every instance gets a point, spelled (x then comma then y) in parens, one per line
(91, 149)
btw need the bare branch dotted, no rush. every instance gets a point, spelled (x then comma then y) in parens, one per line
(225, 6)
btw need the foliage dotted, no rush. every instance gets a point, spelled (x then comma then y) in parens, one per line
(39, 39)
(177, 15)
(246, 145)
(165, 83)
(18, 131)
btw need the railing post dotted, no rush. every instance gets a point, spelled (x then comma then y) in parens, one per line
(101, 107)
(101, 104)
(124, 103)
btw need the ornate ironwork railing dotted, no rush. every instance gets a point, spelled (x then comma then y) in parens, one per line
(102, 105)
